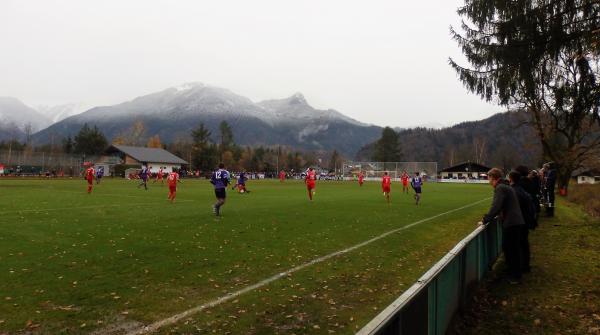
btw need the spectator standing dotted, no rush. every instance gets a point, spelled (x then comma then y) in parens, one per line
(550, 181)
(528, 213)
(506, 206)
(535, 180)
(530, 186)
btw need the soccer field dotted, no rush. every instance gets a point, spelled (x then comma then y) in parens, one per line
(122, 257)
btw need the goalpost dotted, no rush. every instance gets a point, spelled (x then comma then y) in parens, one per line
(375, 170)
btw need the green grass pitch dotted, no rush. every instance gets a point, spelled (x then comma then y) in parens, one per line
(124, 257)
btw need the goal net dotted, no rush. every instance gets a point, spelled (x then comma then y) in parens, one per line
(375, 170)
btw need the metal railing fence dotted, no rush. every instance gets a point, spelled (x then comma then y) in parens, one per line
(429, 305)
(32, 162)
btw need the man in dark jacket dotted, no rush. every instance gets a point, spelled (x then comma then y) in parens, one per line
(531, 186)
(506, 206)
(534, 176)
(550, 181)
(527, 210)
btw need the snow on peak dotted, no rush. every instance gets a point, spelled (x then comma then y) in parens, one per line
(188, 86)
(297, 98)
(61, 112)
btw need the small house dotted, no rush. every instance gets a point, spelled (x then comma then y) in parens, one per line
(466, 170)
(589, 177)
(153, 158)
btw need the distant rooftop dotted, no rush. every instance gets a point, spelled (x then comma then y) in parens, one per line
(152, 155)
(467, 167)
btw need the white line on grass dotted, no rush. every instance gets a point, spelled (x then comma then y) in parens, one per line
(175, 318)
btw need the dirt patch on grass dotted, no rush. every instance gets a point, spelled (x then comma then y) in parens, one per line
(120, 326)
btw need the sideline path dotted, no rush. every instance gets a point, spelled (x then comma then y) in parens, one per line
(561, 295)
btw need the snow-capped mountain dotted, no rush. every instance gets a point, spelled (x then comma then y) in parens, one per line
(296, 109)
(15, 117)
(61, 112)
(174, 112)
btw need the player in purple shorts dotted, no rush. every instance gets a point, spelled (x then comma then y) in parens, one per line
(416, 183)
(144, 174)
(220, 181)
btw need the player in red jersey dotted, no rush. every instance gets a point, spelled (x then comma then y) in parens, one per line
(89, 176)
(281, 176)
(405, 178)
(172, 180)
(361, 178)
(159, 176)
(311, 177)
(386, 185)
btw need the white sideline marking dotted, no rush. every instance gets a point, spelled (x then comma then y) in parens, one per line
(173, 319)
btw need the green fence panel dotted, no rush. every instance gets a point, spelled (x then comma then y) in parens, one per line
(429, 305)
(448, 284)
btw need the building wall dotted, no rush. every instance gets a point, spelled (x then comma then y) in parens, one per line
(460, 175)
(110, 159)
(587, 180)
(154, 167)
(130, 161)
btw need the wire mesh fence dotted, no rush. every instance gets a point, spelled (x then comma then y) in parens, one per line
(31, 163)
(395, 169)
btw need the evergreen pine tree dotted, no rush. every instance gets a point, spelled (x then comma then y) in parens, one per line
(89, 141)
(541, 57)
(387, 148)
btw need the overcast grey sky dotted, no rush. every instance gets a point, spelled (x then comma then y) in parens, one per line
(382, 62)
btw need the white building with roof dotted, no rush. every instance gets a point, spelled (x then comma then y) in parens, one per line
(153, 158)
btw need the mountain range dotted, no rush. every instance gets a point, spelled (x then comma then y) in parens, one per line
(16, 118)
(173, 113)
(503, 140)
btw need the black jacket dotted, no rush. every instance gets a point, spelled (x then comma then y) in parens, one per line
(550, 179)
(506, 206)
(527, 209)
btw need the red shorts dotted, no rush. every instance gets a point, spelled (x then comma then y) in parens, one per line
(172, 189)
(90, 181)
(387, 189)
(310, 186)
(405, 183)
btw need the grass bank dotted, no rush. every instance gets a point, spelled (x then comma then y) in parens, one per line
(562, 293)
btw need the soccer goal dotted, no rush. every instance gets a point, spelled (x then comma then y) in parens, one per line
(375, 170)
